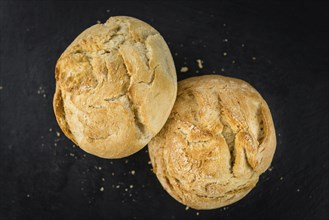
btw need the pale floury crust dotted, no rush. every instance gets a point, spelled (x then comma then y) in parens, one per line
(115, 87)
(217, 141)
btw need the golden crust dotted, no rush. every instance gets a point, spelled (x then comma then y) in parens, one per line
(115, 87)
(217, 141)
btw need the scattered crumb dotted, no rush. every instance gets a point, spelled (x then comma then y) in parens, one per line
(199, 62)
(133, 172)
(108, 10)
(82, 188)
(113, 174)
(225, 40)
(103, 179)
(131, 186)
(126, 161)
(197, 213)
(1, 87)
(44, 95)
(225, 54)
(28, 195)
(196, 71)
(187, 208)
(72, 154)
(281, 178)
(58, 134)
(101, 189)
(126, 189)
(100, 168)
(181, 45)
(98, 22)
(253, 58)
(118, 186)
(242, 45)
(50, 129)
(213, 71)
(222, 69)
(184, 69)
(233, 61)
(176, 54)
(224, 25)
(55, 144)
(130, 195)
(270, 169)
(149, 162)
(298, 190)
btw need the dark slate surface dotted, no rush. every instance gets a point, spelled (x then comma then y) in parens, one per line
(43, 176)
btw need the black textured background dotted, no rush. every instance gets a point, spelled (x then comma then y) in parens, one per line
(43, 176)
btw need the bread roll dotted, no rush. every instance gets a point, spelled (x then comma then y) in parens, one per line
(115, 87)
(217, 141)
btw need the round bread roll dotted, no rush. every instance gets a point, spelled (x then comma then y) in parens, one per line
(217, 141)
(115, 87)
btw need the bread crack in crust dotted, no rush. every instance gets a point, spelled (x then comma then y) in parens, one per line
(115, 87)
(216, 143)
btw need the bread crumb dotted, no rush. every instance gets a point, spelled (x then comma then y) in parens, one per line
(58, 134)
(55, 144)
(108, 10)
(133, 172)
(225, 40)
(187, 208)
(50, 129)
(113, 174)
(98, 21)
(103, 179)
(281, 178)
(199, 62)
(253, 58)
(197, 213)
(28, 195)
(184, 69)
(126, 161)
(225, 54)
(222, 69)
(176, 54)
(242, 45)
(298, 190)
(130, 195)
(101, 189)
(1, 87)
(233, 61)
(270, 169)
(72, 154)
(126, 189)
(181, 45)
(149, 162)
(118, 186)
(99, 168)
(131, 186)
(224, 25)
(196, 71)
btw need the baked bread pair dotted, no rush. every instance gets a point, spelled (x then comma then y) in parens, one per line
(116, 89)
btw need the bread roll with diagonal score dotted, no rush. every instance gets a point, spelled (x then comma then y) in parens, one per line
(218, 140)
(115, 87)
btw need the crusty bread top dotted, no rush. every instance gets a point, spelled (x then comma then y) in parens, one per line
(217, 141)
(116, 85)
